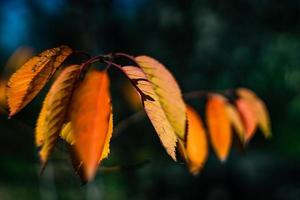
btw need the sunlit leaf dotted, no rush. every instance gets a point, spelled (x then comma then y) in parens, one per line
(154, 109)
(196, 142)
(90, 116)
(26, 82)
(167, 91)
(67, 133)
(54, 110)
(218, 123)
(248, 117)
(260, 110)
(236, 121)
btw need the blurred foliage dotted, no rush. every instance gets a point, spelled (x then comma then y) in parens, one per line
(210, 45)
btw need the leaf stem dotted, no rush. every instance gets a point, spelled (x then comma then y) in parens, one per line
(119, 54)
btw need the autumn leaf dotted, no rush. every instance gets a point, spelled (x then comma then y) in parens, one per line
(54, 110)
(218, 123)
(167, 91)
(248, 117)
(68, 135)
(260, 110)
(236, 121)
(154, 109)
(90, 114)
(196, 142)
(26, 82)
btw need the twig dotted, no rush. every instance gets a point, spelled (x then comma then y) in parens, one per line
(133, 166)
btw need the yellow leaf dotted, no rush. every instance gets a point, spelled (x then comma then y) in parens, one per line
(167, 91)
(196, 142)
(108, 138)
(236, 121)
(260, 110)
(67, 133)
(153, 108)
(90, 114)
(25, 83)
(54, 110)
(218, 123)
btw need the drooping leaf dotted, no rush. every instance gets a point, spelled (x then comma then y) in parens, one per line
(248, 117)
(26, 82)
(236, 121)
(218, 124)
(68, 135)
(90, 114)
(260, 110)
(167, 91)
(196, 142)
(154, 109)
(54, 110)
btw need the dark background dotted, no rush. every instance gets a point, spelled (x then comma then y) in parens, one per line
(208, 45)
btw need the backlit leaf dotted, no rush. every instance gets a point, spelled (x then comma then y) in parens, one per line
(90, 116)
(260, 110)
(248, 117)
(54, 110)
(218, 123)
(236, 121)
(153, 108)
(68, 135)
(26, 82)
(167, 91)
(196, 142)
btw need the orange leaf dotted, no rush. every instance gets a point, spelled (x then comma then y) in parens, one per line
(248, 117)
(260, 110)
(54, 110)
(153, 108)
(26, 82)
(196, 143)
(218, 123)
(167, 91)
(236, 121)
(90, 115)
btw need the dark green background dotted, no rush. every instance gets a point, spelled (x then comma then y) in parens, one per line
(208, 45)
